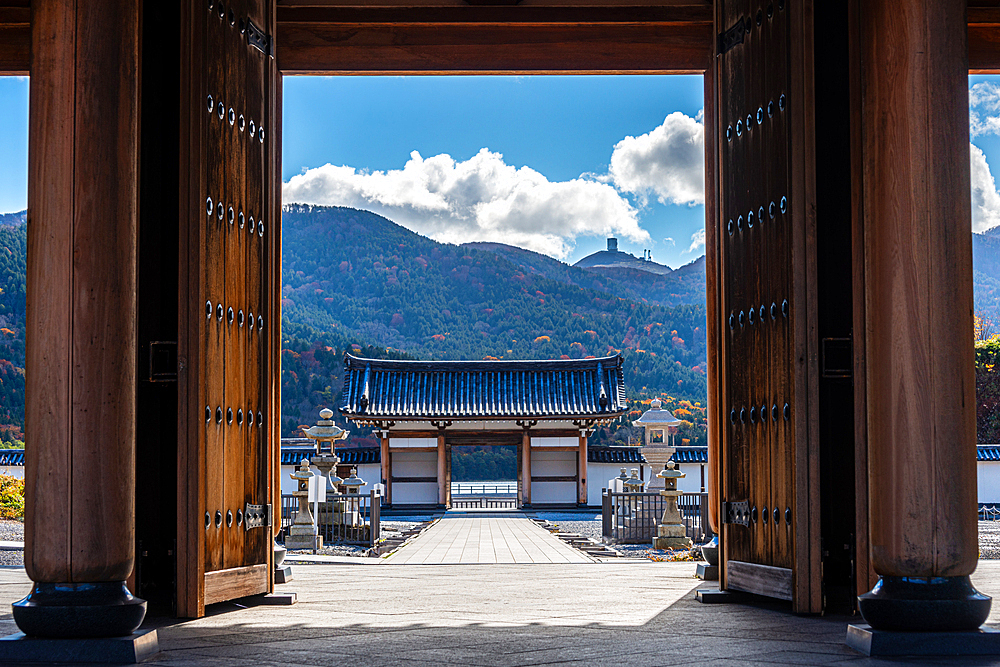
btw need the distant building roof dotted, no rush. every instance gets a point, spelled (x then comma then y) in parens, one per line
(605, 454)
(690, 455)
(11, 457)
(379, 391)
(988, 453)
(293, 454)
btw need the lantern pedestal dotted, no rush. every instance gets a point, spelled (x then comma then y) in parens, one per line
(671, 534)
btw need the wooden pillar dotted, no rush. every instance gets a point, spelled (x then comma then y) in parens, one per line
(81, 318)
(918, 292)
(526, 468)
(441, 473)
(386, 467)
(581, 467)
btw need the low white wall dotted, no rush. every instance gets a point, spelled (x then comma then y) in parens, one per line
(14, 471)
(691, 483)
(370, 472)
(988, 482)
(600, 474)
(414, 464)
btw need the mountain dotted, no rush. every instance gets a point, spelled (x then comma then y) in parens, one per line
(986, 275)
(13, 219)
(370, 281)
(685, 285)
(13, 266)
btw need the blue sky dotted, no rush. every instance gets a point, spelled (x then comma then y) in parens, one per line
(551, 163)
(13, 143)
(562, 129)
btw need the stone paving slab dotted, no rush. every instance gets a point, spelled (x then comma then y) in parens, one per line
(468, 538)
(631, 613)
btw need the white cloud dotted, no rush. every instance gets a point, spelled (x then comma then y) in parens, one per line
(697, 241)
(668, 162)
(670, 241)
(479, 199)
(985, 199)
(984, 109)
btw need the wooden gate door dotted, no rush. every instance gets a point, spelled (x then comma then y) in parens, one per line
(770, 502)
(227, 419)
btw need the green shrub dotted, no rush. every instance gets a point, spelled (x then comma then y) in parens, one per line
(11, 497)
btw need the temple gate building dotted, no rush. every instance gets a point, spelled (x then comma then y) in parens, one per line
(546, 409)
(842, 438)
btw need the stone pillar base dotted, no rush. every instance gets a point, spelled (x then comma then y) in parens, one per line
(100, 609)
(862, 638)
(128, 650)
(924, 604)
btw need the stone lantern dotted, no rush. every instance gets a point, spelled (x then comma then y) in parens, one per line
(325, 433)
(634, 484)
(657, 420)
(670, 534)
(351, 513)
(303, 533)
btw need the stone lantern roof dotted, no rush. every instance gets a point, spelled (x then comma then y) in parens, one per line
(657, 417)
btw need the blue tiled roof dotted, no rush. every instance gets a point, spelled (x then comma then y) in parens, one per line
(293, 454)
(11, 457)
(603, 454)
(690, 455)
(988, 453)
(377, 389)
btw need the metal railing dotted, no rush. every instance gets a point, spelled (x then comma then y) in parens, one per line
(350, 518)
(631, 518)
(989, 512)
(483, 502)
(483, 488)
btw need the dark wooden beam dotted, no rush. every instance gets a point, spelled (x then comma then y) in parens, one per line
(15, 37)
(492, 48)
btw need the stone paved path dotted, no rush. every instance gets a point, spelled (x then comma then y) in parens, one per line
(633, 613)
(469, 538)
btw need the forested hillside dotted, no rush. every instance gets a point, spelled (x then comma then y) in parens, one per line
(685, 285)
(373, 282)
(13, 265)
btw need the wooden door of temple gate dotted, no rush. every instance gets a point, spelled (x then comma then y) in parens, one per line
(227, 323)
(769, 497)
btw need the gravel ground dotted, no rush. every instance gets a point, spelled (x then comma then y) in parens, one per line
(12, 531)
(589, 525)
(989, 540)
(388, 529)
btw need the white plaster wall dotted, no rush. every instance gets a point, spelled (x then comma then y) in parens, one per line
(14, 471)
(547, 464)
(561, 441)
(988, 474)
(563, 493)
(420, 493)
(414, 464)
(401, 443)
(553, 464)
(371, 473)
